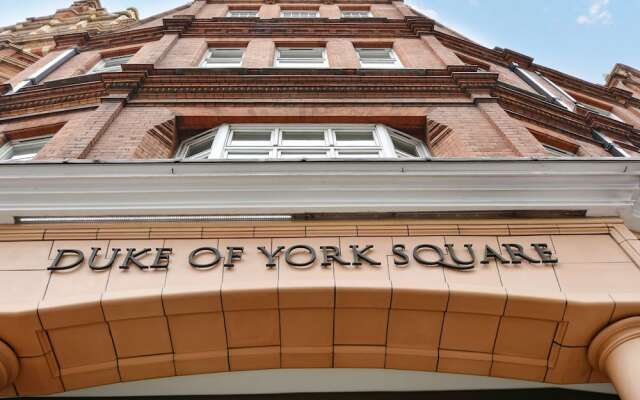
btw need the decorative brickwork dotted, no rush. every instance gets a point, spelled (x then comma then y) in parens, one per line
(24, 43)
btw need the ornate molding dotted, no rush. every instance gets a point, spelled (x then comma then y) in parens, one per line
(610, 338)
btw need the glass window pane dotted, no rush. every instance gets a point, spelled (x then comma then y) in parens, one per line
(303, 138)
(405, 147)
(199, 147)
(250, 138)
(355, 138)
(243, 13)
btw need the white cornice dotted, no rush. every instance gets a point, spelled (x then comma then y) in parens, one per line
(603, 187)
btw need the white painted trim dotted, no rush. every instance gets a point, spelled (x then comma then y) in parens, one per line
(603, 187)
(317, 380)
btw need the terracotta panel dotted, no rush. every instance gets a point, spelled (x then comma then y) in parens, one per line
(568, 365)
(134, 292)
(8, 392)
(249, 285)
(359, 357)
(251, 328)
(585, 316)
(506, 367)
(141, 337)
(462, 362)
(82, 345)
(255, 358)
(189, 290)
(201, 363)
(535, 304)
(149, 367)
(588, 249)
(529, 338)
(306, 327)
(38, 376)
(361, 326)
(483, 274)
(412, 329)
(477, 299)
(307, 357)
(626, 305)
(66, 303)
(528, 276)
(415, 286)
(469, 332)
(23, 256)
(598, 277)
(90, 376)
(305, 287)
(366, 285)
(411, 359)
(192, 333)
(20, 292)
(306, 297)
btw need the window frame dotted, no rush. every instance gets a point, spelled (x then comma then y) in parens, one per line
(222, 143)
(556, 152)
(394, 64)
(316, 13)
(367, 12)
(8, 150)
(230, 13)
(209, 53)
(278, 61)
(101, 67)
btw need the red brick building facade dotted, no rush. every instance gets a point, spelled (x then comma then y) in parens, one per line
(338, 125)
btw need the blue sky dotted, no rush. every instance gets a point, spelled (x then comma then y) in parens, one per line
(584, 38)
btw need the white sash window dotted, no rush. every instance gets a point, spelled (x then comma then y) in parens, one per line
(299, 57)
(223, 57)
(356, 14)
(378, 58)
(242, 14)
(299, 14)
(111, 64)
(22, 150)
(297, 142)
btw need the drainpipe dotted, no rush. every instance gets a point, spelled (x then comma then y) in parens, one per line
(608, 144)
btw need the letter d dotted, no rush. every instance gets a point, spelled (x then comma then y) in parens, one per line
(55, 265)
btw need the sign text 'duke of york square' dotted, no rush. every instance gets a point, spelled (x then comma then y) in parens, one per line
(303, 256)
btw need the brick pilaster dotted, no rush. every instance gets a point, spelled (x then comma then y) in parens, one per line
(77, 137)
(519, 137)
(445, 54)
(152, 53)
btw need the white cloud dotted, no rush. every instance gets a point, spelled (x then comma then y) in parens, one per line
(598, 13)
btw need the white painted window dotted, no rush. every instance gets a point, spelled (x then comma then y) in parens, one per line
(297, 57)
(22, 150)
(378, 58)
(299, 14)
(111, 64)
(297, 142)
(356, 14)
(242, 14)
(223, 57)
(553, 151)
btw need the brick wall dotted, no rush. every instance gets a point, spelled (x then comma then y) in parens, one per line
(129, 136)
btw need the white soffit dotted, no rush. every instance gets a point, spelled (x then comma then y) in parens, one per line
(603, 187)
